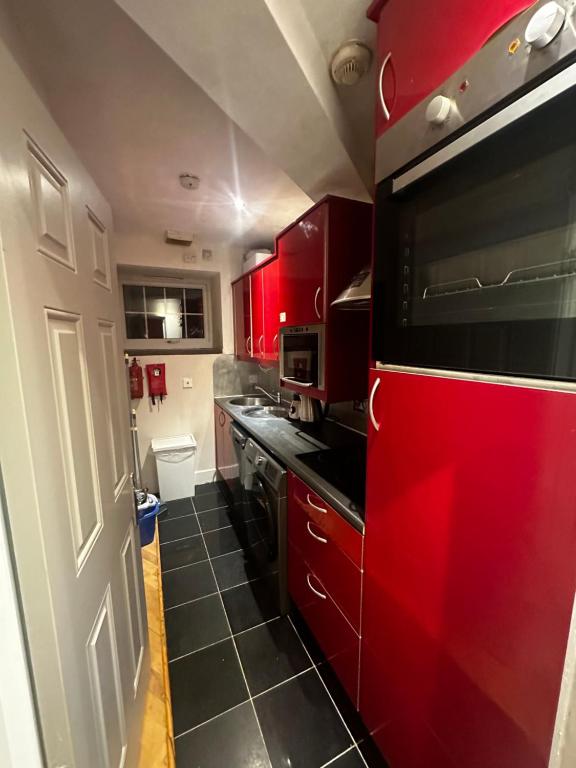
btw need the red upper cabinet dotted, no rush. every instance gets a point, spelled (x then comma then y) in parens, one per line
(242, 317)
(271, 323)
(469, 570)
(318, 256)
(421, 44)
(257, 299)
(302, 269)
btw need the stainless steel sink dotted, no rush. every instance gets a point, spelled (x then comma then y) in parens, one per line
(267, 412)
(251, 400)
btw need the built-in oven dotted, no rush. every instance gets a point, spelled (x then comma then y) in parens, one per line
(302, 356)
(475, 244)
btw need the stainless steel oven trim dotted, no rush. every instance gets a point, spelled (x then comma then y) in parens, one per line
(320, 330)
(558, 84)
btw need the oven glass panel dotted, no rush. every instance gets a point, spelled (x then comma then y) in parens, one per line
(476, 263)
(301, 353)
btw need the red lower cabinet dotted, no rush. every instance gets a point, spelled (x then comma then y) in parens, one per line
(324, 578)
(469, 570)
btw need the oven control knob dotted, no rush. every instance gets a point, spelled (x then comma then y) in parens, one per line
(438, 110)
(545, 25)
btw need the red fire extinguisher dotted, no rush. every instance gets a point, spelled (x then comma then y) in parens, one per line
(156, 376)
(136, 380)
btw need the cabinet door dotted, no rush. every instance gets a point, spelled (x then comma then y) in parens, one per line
(219, 419)
(421, 45)
(242, 318)
(301, 269)
(271, 324)
(469, 570)
(257, 298)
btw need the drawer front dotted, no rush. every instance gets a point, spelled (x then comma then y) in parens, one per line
(339, 642)
(339, 575)
(344, 536)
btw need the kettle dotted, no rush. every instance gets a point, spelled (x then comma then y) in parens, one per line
(310, 409)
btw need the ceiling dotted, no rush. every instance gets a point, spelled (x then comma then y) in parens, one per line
(138, 119)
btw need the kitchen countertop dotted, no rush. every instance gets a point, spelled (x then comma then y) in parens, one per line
(285, 439)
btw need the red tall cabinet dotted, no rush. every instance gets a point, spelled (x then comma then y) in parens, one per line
(469, 570)
(255, 302)
(420, 46)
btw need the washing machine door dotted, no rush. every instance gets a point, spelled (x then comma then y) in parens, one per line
(263, 509)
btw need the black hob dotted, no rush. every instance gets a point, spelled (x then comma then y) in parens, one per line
(344, 468)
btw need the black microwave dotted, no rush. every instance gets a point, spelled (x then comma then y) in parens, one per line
(475, 240)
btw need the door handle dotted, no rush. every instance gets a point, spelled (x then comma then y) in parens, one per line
(385, 110)
(312, 588)
(221, 419)
(318, 315)
(260, 340)
(315, 535)
(375, 424)
(293, 380)
(314, 506)
(275, 343)
(249, 345)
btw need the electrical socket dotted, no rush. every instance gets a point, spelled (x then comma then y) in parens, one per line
(186, 382)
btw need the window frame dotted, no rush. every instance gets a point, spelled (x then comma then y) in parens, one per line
(204, 344)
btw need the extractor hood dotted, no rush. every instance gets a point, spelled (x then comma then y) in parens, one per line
(358, 294)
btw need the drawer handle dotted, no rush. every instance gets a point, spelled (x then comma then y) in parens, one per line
(319, 594)
(385, 110)
(320, 509)
(318, 315)
(315, 535)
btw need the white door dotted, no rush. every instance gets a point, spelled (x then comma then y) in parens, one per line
(64, 441)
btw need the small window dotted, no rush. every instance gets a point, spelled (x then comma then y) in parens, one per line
(158, 315)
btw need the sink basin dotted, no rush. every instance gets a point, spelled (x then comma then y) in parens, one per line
(250, 400)
(267, 412)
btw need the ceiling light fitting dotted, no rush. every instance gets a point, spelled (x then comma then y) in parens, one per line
(188, 181)
(350, 62)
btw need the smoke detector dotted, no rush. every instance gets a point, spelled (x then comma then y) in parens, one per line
(188, 181)
(350, 62)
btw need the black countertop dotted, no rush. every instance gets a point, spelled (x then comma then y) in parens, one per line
(286, 440)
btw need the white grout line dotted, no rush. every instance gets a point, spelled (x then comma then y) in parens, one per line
(171, 519)
(212, 509)
(179, 567)
(288, 679)
(187, 602)
(241, 666)
(197, 650)
(210, 719)
(182, 538)
(333, 760)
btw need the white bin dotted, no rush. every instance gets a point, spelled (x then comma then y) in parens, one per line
(176, 465)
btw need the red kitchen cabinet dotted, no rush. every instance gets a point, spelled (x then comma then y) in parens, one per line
(271, 323)
(318, 256)
(226, 461)
(421, 44)
(242, 310)
(469, 570)
(257, 302)
(325, 578)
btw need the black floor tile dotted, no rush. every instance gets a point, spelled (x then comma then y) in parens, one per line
(205, 684)
(351, 759)
(342, 701)
(252, 604)
(271, 654)
(183, 552)
(307, 637)
(201, 490)
(195, 625)
(175, 509)
(240, 567)
(222, 542)
(300, 724)
(212, 500)
(231, 740)
(214, 519)
(180, 528)
(187, 584)
(371, 754)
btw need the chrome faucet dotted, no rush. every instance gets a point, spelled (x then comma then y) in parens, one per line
(277, 397)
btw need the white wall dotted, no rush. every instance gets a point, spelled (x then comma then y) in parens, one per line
(183, 410)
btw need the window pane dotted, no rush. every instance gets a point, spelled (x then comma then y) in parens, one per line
(156, 326)
(133, 298)
(135, 327)
(174, 300)
(194, 326)
(194, 301)
(174, 326)
(155, 302)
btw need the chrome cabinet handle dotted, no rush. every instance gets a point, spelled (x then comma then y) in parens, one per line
(314, 590)
(249, 345)
(311, 503)
(221, 419)
(385, 110)
(260, 340)
(275, 343)
(375, 424)
(319, 316)
(315, 535)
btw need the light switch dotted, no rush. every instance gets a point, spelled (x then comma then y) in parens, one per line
(186, 382)
(282, 317)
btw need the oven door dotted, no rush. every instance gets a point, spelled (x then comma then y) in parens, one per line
(475, 260)
(302, 357)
